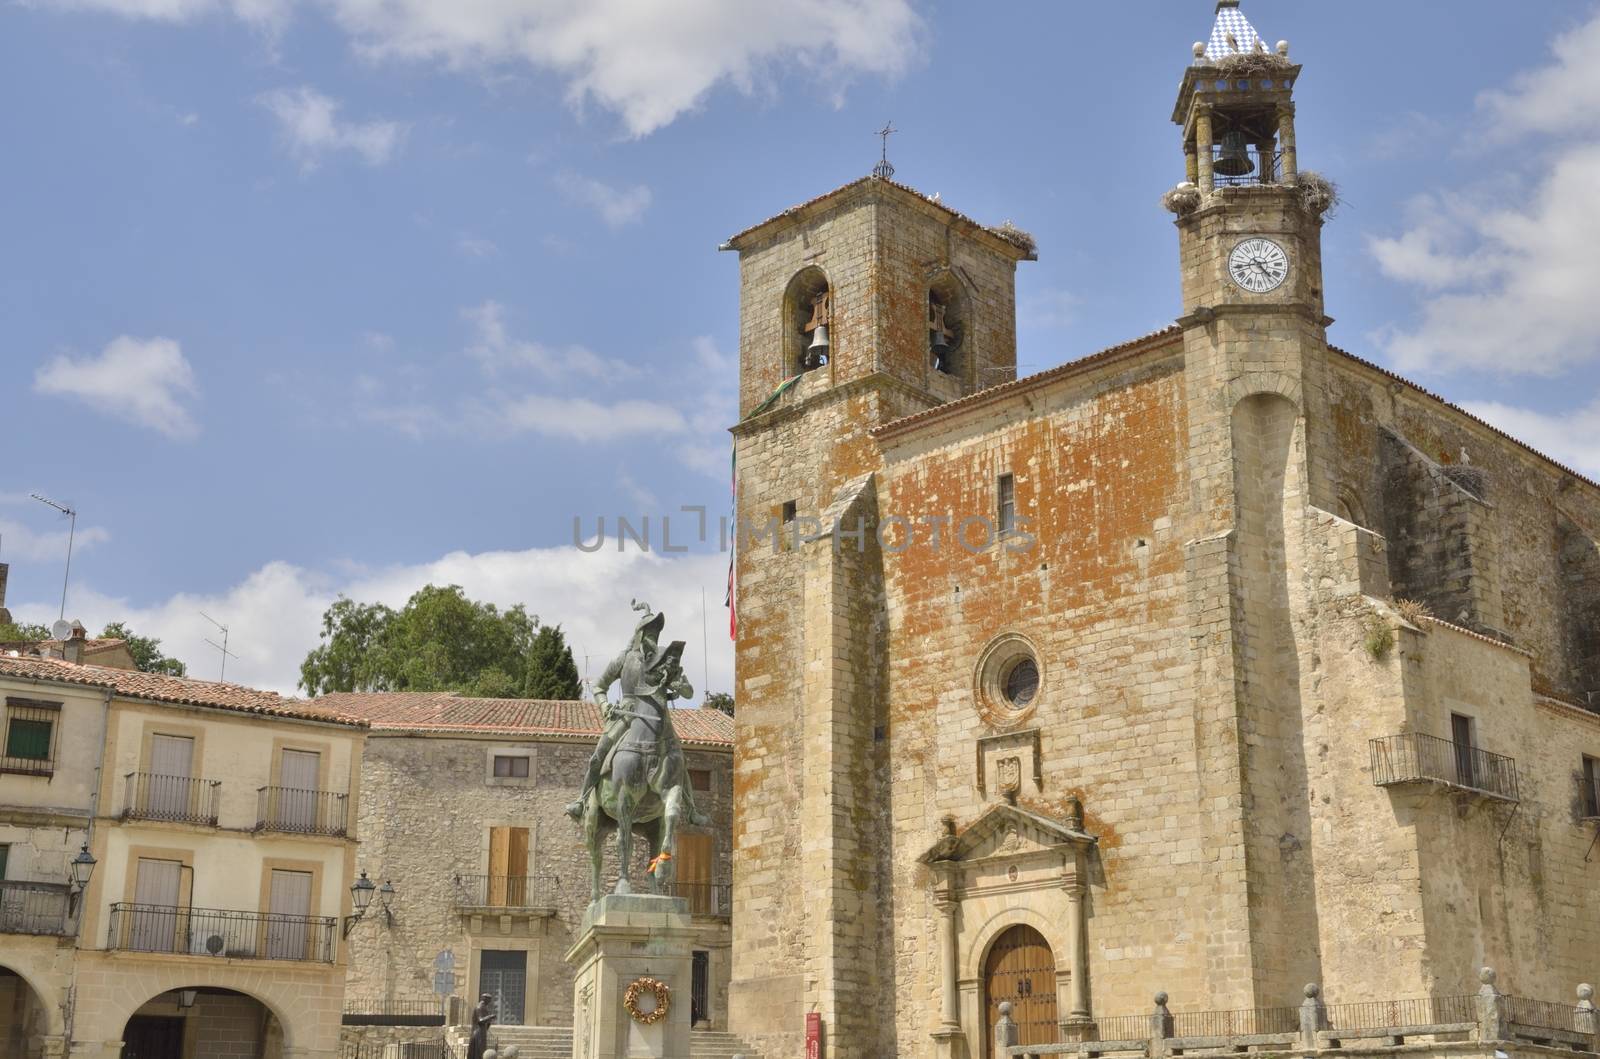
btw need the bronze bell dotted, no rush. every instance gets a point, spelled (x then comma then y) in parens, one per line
(817, 351)
(1235, 158)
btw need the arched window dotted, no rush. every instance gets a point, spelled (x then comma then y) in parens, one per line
(807, 320)
(947, 320)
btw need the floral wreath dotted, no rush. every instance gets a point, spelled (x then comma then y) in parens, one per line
(663, 995)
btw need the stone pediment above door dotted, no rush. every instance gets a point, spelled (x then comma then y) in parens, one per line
(1006, 831)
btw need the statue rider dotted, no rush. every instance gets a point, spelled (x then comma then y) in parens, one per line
(651, 678)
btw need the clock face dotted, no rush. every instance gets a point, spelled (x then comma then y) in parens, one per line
(1258, 265)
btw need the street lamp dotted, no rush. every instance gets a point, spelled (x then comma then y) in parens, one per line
(361, 893)
(79, 870)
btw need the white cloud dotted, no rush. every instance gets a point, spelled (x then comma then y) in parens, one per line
(1572, 437)
(495, 350)
(645, 60)
(617, 207)
(1509, 278)
(140, 380)
(311, 128)
(1561, 99)
(275, 613)
(580, 419)
(473, 246)
(20, 540)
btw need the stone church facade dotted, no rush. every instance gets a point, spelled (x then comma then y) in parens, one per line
(1219, 662)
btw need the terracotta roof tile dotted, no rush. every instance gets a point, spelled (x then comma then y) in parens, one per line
(445, 712)
(156, 687)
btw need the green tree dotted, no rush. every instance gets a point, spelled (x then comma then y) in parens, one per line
(439, 641)
(719, 700)
(552, 673)
(14, 632)
(146, 651)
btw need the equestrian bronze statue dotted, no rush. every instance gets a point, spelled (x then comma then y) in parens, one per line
(636, 775)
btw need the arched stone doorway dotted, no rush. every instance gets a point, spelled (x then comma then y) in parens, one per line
(202, 1022)
(1021, 969)
(24, 1018)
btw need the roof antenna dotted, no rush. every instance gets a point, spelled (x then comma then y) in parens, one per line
(71, 532)
(883, 170)
(222, 647)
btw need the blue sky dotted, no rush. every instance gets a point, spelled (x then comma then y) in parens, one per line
(301, 297)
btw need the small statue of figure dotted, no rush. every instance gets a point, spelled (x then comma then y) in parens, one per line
(482, 1016)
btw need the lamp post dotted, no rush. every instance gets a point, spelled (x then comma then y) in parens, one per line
(361, 894)
(79, 870)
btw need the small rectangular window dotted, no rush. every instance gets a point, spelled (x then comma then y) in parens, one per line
(790, 509)
(5, 855)
(1007, 507)
(1461, 735)
(1591, 786)
(30, 737)
(700, 779)
(508, 766)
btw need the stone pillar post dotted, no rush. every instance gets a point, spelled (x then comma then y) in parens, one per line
(1191, 164)
(1160, 1027)
(1291, 162)
(1585, 1019)
(1202, 143)
(1313, 1017)
(1078, 940)
(1491, 1009)
(1005, 1031)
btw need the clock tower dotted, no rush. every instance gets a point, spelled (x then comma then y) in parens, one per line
(1249, 223)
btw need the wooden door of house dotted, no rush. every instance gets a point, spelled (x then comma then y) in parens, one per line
(289, 907)
(508, 867)
(504, 976)
(166, 793)
(693, 872)
(1021, 970)
(298, 775)
(153, 925)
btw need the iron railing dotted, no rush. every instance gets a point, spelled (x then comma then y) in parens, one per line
(221, 932)
(1240, 1022)
(1413, 1011)
(1265, 168)
(302, 811)
(1411, 757)
(35, 908)
(150, 796)
(506, 891)
(1541, 1014)
(705, 899)
(401, 1050)
(403, 1011)
(1589, 798)
(1124, 1027)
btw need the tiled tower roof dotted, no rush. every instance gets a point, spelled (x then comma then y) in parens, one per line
(1233, 34)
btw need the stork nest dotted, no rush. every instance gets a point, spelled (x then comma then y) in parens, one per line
(1016, 237)
(1251, 64)
(1182, 200)
(1318, 194)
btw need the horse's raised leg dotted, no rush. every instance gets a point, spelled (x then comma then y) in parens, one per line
(666, 846)
(591, 832)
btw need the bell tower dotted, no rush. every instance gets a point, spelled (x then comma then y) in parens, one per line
(1249, 223)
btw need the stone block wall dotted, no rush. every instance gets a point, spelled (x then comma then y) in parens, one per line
(428, 805)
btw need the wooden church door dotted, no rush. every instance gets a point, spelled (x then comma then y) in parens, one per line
(1021, 970)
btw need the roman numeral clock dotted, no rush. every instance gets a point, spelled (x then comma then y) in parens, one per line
(1258, 265)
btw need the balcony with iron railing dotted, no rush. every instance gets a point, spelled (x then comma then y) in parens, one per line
(36, 908)
(1412, 757)
(705, 898)
(221, 933)
(506, 891)
(176, 799)
(301, 811)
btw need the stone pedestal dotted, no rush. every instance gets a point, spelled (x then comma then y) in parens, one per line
(622, 939)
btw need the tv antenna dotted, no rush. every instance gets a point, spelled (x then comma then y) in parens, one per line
(883, 170)
(221, 647)
(72, 530)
